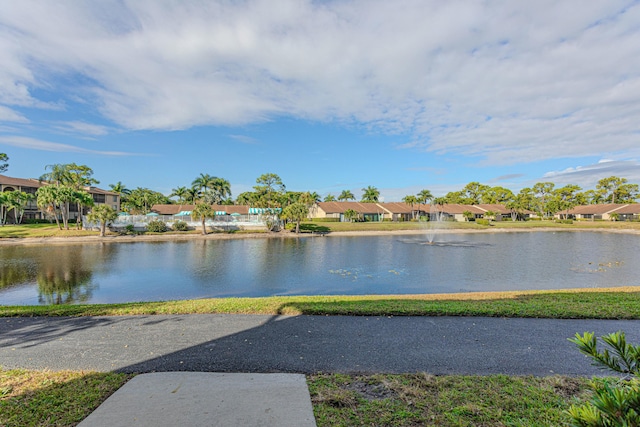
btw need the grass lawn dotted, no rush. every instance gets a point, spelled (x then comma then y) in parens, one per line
(51, 230)
(614, 303)
(42, 398)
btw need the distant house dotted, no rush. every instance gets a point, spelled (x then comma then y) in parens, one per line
(366, 211)
(400, 211)
(454, 211)
(175, 209)
(31, 185)
(625, 212)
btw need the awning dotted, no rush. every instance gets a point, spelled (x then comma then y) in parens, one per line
(153, 214)
(184, 213)
(258, 211)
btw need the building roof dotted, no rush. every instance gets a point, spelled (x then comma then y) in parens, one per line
(457, 209)
(20, 182)
(398, 207)
(35, 183)
(494, 207)
(341, 207)
(630, 209)
(596, 209)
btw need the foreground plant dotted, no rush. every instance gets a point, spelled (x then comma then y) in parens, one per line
(615, 402)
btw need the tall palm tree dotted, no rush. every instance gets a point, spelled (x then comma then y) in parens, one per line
(329, 198)
(120, 189)
(370, 194)
(102, 214)
(202, 182)
(221, 186)
(346, 195)
(180, 192)
(203, 211)
(411, 200)
(47, 200)
(423, 197)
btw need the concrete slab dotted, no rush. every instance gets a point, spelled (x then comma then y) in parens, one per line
(207, 399)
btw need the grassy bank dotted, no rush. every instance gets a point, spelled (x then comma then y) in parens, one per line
(614, 303)
(42, 398)
(51, 230)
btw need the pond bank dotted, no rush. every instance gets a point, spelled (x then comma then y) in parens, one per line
(284, 235)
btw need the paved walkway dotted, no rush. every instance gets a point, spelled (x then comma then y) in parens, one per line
(192, 354)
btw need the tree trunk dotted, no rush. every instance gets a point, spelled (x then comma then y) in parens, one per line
(103, 228)
(204, 226)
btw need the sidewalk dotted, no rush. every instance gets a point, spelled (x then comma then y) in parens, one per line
(207, 399)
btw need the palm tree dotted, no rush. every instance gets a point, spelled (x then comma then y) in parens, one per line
(120, 189)
(329, 198)
(203, 211)
(203, 182)
(221, 186)
(423, 197)
(83, 199)
(47, 200)
(411, 200)
(370, 194)
(192, 194)
(180, 193)
(102, 214)
(295, 212)
(346, 195)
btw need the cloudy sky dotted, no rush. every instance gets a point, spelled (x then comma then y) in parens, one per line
(330, 95)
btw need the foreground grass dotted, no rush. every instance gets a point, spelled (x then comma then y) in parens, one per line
(421, 399)
(613, 303)
(42, 398)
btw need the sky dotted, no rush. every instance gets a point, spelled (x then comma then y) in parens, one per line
(401, 95)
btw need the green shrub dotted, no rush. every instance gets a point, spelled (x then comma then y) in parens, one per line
(180, 226)
(564, 221)
(481, 221)
(325, 219)
(156, 226)
(616, 403)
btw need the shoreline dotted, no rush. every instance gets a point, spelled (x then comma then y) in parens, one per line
(9, 241)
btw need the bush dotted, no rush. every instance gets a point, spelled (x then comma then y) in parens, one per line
(156, 226)
(564, 221)
(481, 221)
(180, 226)
(616, 403)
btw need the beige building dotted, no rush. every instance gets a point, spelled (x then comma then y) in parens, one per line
(624, 212)
(31, 185)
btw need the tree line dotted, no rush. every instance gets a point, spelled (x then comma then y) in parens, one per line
(68, 182)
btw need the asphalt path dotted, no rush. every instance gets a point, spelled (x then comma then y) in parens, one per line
(302, 344)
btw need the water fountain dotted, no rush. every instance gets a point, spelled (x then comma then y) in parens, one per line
(434, 223)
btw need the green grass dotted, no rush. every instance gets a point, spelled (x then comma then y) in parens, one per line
(51, 230)
(421, 399)
(614, 303)
(43, 398)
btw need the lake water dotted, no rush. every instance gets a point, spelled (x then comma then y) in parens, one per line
(153, 271)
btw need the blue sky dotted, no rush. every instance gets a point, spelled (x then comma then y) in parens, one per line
(329, 95)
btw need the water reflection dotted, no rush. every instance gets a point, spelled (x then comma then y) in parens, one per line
(143, 271)
(62, 274)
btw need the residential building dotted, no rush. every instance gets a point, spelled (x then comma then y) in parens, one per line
(31, 185)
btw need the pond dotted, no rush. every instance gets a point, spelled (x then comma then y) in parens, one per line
(155, 271)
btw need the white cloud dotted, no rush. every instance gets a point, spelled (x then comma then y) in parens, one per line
(77, 127)
(244, 139)
(37, 144)
(9, 115)
(509, 82)
(587, 176)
